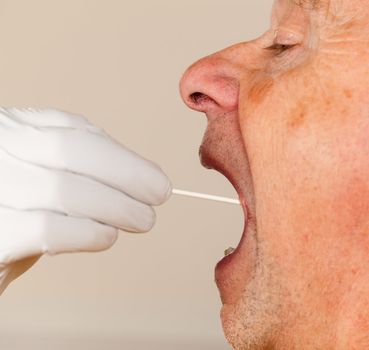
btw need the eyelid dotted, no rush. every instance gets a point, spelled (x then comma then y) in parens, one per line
(284, 40)
(279, 47)
(287, 37)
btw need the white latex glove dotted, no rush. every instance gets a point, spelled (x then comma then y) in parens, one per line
(66, 186)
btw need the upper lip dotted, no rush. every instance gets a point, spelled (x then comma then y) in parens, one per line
(209, 159)
(209, 164)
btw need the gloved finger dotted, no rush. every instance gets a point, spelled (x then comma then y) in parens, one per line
(48, 117)
(94, 155)
(28, 186)
(10, 272)
(32, 233)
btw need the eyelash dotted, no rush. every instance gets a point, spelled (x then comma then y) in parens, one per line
(279, 48)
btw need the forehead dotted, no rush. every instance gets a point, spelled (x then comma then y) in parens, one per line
(280, 7)
(306, 4)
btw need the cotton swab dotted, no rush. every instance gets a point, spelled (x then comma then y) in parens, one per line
(206, 196)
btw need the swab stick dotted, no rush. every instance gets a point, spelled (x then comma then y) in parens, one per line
(206, 196)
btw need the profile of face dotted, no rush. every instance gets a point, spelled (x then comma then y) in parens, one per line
(288, 125)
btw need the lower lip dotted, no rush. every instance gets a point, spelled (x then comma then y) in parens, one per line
(232, 271)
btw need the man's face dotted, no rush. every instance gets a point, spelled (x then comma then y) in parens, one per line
(288, 124)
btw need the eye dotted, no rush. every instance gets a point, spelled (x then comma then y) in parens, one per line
(278, 49)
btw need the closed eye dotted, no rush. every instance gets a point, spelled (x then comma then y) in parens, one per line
(279, 48)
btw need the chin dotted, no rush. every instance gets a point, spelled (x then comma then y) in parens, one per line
(253, 321)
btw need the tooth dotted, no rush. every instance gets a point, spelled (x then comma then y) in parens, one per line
(229, 251)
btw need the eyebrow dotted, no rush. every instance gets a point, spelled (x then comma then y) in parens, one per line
(309, 4)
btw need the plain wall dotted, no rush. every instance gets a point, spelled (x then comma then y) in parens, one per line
(119, 63)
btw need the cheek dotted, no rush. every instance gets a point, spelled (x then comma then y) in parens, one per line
(324, 158)
(308, 158)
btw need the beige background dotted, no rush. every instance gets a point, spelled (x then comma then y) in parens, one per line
(118, 63)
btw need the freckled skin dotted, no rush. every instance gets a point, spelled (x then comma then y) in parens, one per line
(299, 151)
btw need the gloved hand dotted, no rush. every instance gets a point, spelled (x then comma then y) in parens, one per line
(66, 186)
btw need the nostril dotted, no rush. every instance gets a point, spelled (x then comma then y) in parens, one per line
(198, 98)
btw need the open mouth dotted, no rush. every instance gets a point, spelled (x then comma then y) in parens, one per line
(223, 150)
(210, 163)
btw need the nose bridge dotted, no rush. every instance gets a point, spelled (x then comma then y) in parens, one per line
(213, 81)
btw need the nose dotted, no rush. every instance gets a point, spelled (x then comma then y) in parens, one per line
(212, 83)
